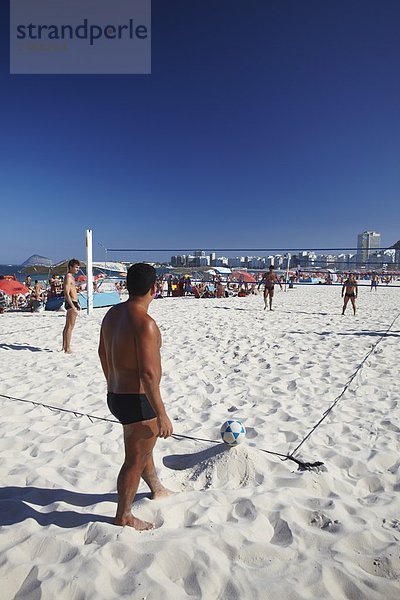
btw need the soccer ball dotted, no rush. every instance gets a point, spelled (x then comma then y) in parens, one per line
(233, 433)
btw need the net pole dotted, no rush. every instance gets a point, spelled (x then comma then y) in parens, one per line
(89, 271)
(287, 269)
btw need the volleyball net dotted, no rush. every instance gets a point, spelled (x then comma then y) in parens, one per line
(382, 262)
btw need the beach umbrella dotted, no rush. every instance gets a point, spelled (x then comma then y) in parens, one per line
(61, 268)
(33, 269)
(81, 278)
(11, 287)
(243, 276)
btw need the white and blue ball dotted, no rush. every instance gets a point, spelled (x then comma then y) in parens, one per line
(233, 433)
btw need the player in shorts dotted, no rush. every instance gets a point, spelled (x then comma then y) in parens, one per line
(129, 351)
(269, 279)
(71, 303)
(349, 292)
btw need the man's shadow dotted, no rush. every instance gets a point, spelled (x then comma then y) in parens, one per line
(23, 347)
(15, 506)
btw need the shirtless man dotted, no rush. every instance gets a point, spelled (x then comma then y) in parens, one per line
(350, 291)
(270, 279)
(129, 352)
(374, 282)
(71, 303)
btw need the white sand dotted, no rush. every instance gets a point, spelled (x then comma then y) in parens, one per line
(244, 524)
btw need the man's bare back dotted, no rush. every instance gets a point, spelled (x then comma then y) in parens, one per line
(121, 329)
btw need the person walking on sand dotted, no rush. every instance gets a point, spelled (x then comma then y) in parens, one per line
(129, 352)
(350, 291)
(270, 279)
(71, 303)
(374, 282)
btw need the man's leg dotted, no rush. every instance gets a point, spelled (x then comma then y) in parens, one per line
(150, 477)
(346, 299)
(353, 302)
(63, 334)
(139, 439)
(67, 333)
(271, 295)
(265, 298)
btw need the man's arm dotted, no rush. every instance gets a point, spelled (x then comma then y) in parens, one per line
(103, 355)
(343, 287)
(67, 290)
(279, 281)
(149, 364)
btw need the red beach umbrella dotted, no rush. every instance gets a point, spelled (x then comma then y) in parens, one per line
(243, 276)
(81, 278)
(11, 287)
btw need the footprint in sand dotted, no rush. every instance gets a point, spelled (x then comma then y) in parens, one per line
(323, 522)
(251, 433)
(282, 533)
(245, 509)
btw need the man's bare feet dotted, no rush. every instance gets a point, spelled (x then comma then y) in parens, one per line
(131, 521)
(161, 493)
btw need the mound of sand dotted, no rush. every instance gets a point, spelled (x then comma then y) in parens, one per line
(220, 467)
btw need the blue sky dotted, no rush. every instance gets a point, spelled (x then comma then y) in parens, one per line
(263, 124)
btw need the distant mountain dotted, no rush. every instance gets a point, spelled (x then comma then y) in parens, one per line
(35, 259)
(395, 246)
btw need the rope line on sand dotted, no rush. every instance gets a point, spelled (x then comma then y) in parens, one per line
(338, 398)
(301, 464)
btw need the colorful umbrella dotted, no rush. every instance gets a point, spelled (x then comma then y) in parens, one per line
(243, 276)
(11, 287)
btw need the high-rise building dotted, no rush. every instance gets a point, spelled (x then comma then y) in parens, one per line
(367, 242)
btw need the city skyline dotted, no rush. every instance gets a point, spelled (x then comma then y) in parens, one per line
(375, 259)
